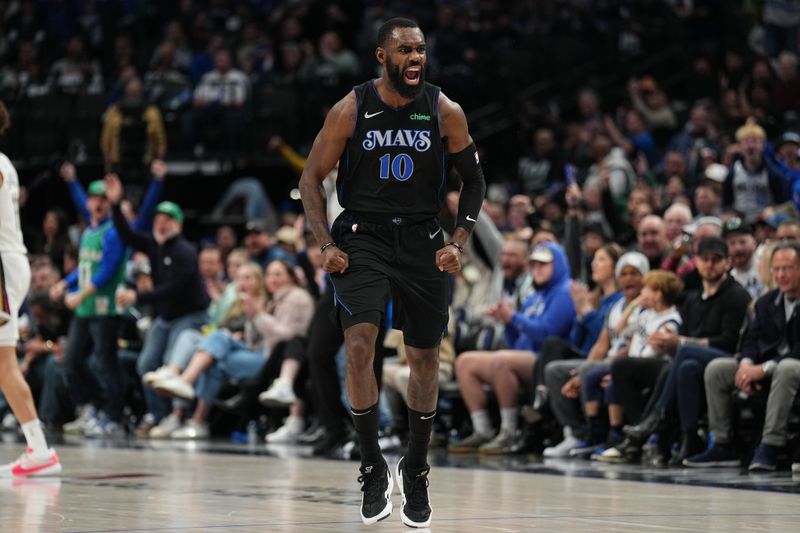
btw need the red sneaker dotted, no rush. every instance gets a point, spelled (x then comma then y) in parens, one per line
(30, 465)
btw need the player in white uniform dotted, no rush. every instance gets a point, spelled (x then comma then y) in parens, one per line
(15, 278)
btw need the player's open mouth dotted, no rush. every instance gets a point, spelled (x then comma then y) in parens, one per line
(412, 75)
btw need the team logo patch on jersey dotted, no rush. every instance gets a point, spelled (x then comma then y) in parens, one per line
(420, 140)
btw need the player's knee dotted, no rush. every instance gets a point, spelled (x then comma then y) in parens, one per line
(427, 363)
(360, 351)
(424, 365)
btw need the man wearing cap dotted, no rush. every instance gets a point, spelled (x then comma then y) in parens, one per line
(687, 268)
(712, 317)
(715, 175)
(742, 246)
(787, 149)
(94, 328)
(752, 184)
(158, 170)
(548, 311)
(258, 243)
(769, 354)
(179, 293)
(105, 276)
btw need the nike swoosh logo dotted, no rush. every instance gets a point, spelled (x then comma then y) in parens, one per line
(428, 417)
(370, 115)
(435, 233)
(22, 471)
(471, 219)
(361, 414)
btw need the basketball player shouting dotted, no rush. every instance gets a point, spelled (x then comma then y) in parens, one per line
(15, 277)
(390, 136)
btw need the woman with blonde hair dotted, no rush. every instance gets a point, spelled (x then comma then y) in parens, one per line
(273, 311)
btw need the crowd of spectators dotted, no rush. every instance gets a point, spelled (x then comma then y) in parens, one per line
(621, 277)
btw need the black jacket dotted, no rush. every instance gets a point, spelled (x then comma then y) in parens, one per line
(768, 329)
(178, 287)
(719, 318)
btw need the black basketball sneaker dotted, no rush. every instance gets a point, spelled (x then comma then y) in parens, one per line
(415, 511)
(376, 492)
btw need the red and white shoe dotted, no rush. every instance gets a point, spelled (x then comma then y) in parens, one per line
(30, 465)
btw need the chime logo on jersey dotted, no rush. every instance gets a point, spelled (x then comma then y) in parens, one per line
(420, 140)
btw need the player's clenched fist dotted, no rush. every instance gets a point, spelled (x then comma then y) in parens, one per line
(448, 259)
(334, 260)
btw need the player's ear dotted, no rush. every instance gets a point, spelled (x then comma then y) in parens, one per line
(380, 54)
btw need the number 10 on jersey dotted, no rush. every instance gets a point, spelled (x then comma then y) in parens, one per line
(401, 167)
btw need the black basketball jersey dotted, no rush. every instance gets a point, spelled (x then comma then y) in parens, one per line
(394, 162)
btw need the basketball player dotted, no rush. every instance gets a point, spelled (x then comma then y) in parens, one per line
(391, 136)
(15, 277)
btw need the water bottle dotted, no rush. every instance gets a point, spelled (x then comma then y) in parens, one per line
(252, 432)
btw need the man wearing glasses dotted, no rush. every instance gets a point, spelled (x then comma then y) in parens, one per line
(770, 355)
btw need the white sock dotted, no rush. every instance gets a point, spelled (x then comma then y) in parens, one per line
(35, 437)
(294, 422)
(508, 419)
(481, 423)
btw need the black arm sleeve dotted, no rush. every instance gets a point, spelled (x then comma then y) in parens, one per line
(468, 165)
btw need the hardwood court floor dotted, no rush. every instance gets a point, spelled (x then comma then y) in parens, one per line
(190, 488)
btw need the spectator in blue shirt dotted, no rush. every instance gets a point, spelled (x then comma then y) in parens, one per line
(548, 311)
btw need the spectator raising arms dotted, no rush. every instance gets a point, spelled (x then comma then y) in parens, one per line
(179, 292)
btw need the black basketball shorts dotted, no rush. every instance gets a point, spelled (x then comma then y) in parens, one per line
(392, 257)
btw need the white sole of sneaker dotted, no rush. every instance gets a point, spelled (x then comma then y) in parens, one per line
(403, 518)
(47, 471)
(387, 511)
(168, 392)
(269, 402)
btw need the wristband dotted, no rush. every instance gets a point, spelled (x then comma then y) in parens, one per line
(326, 246)
(458, 246)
